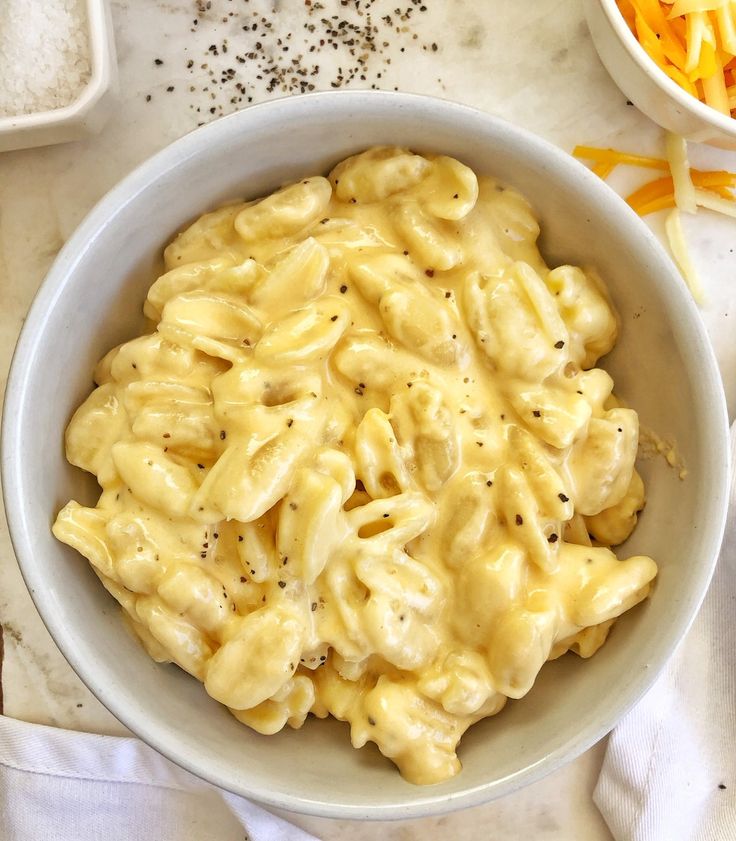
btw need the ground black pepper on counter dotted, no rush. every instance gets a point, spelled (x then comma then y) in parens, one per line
(243, 51)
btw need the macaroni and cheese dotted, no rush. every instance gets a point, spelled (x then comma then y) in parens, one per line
(363, 464)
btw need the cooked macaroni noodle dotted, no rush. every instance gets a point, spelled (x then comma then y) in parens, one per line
(363, 465)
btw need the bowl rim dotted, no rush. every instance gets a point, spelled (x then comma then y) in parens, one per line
(21, 529)
(668, 86)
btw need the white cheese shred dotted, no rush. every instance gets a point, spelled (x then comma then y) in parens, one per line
(678, 246)
(676, 147)
(704, 198)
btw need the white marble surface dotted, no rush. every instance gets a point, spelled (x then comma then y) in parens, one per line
(532, 63)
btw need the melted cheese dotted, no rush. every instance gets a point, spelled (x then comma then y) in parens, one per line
(354, 469)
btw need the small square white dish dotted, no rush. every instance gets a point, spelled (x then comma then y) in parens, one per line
(89, 111)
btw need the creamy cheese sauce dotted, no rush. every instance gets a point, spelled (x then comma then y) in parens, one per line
(364, 465)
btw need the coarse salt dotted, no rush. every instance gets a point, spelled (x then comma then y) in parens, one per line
(44, 54)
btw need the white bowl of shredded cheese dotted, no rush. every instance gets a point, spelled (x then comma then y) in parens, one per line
(648, 86)
(57, 71)
(263, 612)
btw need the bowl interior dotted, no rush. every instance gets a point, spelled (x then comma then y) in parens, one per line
(92, 300)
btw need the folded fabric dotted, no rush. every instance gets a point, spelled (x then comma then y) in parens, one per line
(669, 772)
(60, 785)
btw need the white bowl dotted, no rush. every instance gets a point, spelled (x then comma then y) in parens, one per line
(649, 87)
(92, 299)
(89, 111)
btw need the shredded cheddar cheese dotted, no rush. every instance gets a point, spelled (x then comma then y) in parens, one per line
(705, 198)
(660, 193)
(693, 42)
(614, 157)
(681, 189)
(682, 182)
(678, 246)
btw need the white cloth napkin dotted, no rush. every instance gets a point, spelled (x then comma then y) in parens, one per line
(59, 785)
(670, 769)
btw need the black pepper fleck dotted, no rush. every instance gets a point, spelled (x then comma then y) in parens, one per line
(266, 62)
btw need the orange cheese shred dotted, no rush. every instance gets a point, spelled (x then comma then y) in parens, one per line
(615, 157)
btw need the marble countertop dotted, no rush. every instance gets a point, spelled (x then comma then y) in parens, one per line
(532, 63)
